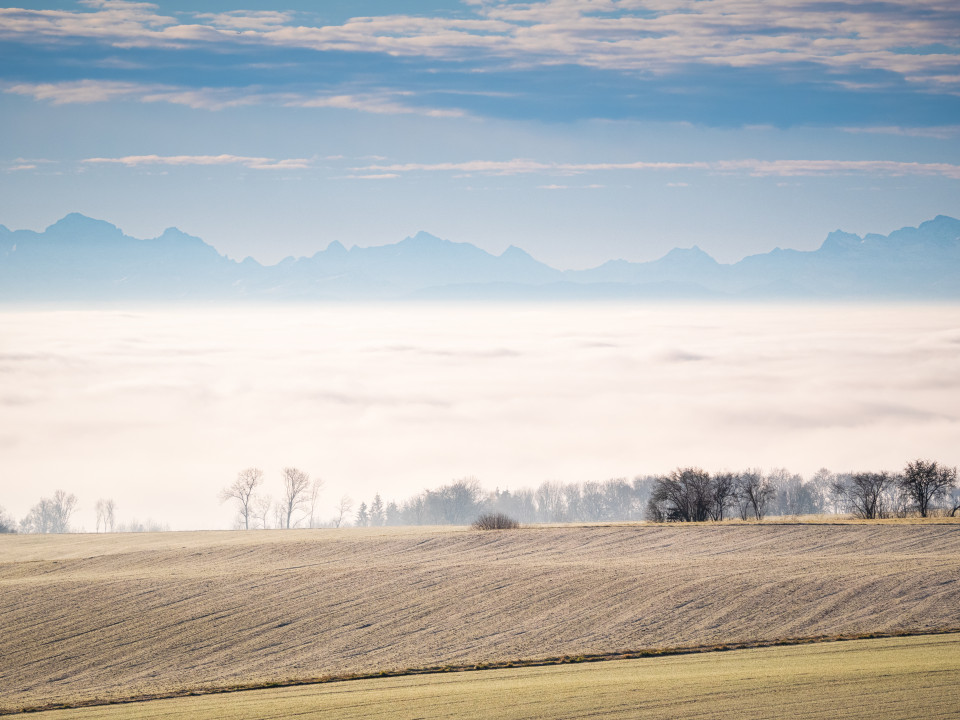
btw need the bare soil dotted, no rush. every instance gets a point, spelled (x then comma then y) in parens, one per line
(111, 616)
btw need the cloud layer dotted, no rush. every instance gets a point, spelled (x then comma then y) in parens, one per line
(802, 51)
(159, 410)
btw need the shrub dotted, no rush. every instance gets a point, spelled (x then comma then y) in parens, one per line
(495, 521)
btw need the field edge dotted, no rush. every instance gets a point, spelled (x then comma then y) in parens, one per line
(476, 667)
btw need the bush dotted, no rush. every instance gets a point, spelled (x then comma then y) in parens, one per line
(495, 521)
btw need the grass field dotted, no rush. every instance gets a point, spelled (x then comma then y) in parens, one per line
(105, 617)
(894, 679)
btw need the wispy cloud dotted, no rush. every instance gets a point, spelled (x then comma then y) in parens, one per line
(379, 104)
(942, 132)
(206, 98)
(758, 168)
(376, 176)
(253, 163)
(247, 19)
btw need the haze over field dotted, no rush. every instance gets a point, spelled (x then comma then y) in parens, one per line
(159, 409)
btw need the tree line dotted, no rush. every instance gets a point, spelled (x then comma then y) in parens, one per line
(685, 495)
(688, 494)
(54, 514)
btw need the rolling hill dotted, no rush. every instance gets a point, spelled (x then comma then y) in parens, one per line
(115, 616)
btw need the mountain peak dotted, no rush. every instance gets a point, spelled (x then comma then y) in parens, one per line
(687, 256)
(839, 241)
(76, 224)
(514, 251)
(424, 239)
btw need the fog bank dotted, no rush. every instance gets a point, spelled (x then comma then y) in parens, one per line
(160, 409)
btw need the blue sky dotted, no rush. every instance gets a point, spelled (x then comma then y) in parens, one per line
(580, 130)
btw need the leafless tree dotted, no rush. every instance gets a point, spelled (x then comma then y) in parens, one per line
(925, 483)
(344, 508)
(820, 489)
(105, 515)
(315, 487)
(110, 514)
(550, 504)
(755, 493)
(863, 493)
(241, 491)
(261, 510)
(296, 486)
(686, 495)
(723, 494)
(7, 524)
(954, 501)
(50, 515)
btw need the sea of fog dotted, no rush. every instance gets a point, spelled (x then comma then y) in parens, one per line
(159, 409)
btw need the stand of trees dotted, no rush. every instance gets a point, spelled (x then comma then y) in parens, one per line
(50, 515)
(297, 506)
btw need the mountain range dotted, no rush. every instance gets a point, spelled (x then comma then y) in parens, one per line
(80, 259)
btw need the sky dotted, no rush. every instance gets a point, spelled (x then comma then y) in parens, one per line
(579, 130)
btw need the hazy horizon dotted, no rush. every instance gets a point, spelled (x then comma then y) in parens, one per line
(159, 409)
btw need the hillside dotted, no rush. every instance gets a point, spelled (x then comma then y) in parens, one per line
(114, 616)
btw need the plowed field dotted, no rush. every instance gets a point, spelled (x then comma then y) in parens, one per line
(111, 616)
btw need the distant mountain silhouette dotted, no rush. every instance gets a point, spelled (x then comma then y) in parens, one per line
(82, 259)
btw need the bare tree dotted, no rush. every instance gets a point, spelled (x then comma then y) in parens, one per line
(7, 524)
(50, 515)
(925, 482)
(954, 501)
(863, 493)
(99, 507)
(686, 495)
(109, 514)
(296, 485)
(261, 510)
(105, 515)
(344, 507)
(723, 494)
(820, 490)
(550, 502)
(315, 487)
(241, 491)
(755, 493)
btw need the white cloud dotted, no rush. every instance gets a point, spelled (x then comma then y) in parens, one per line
(253, 163)
(940, 132)
(380, 176)
(759, 168)
(656, 36)
(382, 104)
(92, 91)
(80, 91)
(247, 19)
